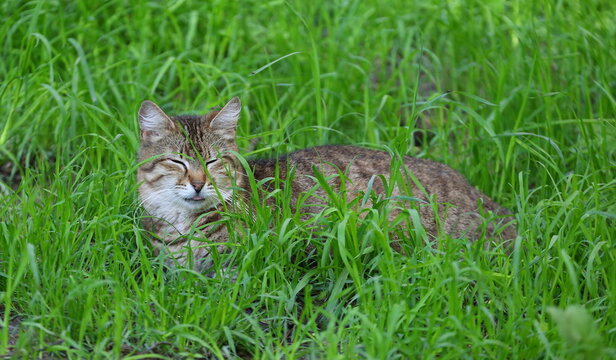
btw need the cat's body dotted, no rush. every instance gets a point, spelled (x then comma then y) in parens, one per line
(179, 195)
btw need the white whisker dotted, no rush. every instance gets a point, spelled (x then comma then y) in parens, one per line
(154, 194)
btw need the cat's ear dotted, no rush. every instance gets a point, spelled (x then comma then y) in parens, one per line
(154, 123)
(225, 121)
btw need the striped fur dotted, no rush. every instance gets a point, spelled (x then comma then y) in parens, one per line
(189, 171)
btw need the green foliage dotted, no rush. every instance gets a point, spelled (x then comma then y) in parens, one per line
(517, 95)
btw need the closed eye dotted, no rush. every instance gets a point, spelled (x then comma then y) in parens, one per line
(179, 162)
(210, 161)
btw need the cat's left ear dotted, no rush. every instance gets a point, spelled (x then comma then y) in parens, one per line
(225, 121)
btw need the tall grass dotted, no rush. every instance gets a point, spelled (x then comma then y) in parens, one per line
(517, 95)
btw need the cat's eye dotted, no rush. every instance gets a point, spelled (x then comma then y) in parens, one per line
(178, 162)
(211, 161)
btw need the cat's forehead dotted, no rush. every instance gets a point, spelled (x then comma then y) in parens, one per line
(196, 136)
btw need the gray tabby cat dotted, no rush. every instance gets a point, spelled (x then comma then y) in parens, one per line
(189, 169)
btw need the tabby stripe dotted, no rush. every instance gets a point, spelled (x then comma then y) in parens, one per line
(150, 166)
(154, 180)
(178, 241)
(172, 242)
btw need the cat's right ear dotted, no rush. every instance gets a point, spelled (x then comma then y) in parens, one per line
(153, 122)
(225, 121)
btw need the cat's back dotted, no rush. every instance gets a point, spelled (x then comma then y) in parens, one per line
(360, 166)
(329, 159)
(358, 162)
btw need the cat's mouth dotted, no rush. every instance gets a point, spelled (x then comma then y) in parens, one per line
(196, 198)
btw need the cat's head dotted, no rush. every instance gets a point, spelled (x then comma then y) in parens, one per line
(188, 161)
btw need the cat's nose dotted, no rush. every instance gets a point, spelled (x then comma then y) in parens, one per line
(198, 185)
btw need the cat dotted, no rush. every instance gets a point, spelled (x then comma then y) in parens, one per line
(189, 169)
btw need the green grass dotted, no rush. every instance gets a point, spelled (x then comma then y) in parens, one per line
(517, 95)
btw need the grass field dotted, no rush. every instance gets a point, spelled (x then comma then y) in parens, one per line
(517, 95)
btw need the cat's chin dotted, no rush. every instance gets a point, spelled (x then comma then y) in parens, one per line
(198, 203)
